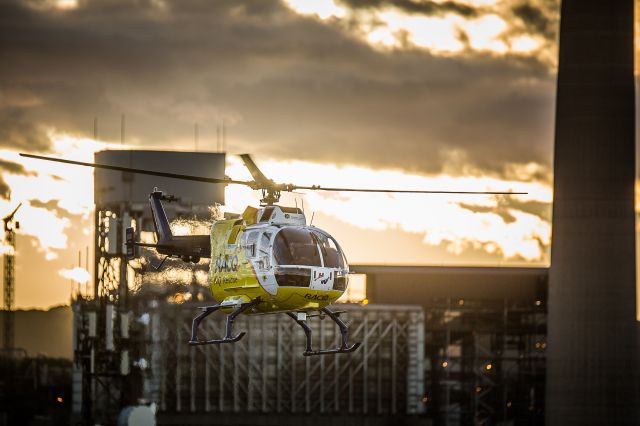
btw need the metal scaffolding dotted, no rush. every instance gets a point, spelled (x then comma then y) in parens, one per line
(101, 382)
(266, 373)
(10, 227)
(485, 361)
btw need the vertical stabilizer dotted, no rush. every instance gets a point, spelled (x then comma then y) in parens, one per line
(160, 221)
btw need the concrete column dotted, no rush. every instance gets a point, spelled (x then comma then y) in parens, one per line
(592, 370)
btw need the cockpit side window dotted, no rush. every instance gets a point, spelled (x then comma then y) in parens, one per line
(331, 254)
(293, 246)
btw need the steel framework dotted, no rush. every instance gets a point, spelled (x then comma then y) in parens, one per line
(485, 361)
(9, 283)
(10, 226)
(266, 373)
(101, 326)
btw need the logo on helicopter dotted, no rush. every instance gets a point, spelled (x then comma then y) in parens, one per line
(227, 264)
(318, 276)
(316, 297)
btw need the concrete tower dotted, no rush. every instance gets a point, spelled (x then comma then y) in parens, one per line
(592, 373)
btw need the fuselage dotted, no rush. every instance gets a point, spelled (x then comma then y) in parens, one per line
(273, 254)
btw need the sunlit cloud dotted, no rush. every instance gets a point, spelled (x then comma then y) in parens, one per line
(440, 219)
(439, 34)
(496, 225)
(489, 27)
(77, 274)
(60, 5)
(324, 9)
(66, 4)
(476, 3)
(48, 229)
(525, 44)
(45, 182)
(446, 34)
(484, 33)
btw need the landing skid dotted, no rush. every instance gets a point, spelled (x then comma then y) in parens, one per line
(229, 337)
(344, 334)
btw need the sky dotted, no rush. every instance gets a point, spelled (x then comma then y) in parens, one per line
(406, 94)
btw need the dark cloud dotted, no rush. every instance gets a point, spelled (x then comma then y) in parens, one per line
(536, 208)
(287, 86)
(506, 205)
(14, 168)
(49, 205)
(415, 7)
(504, 213)
(52, 205)
(5, 190)
(536, 20)
(18, 132)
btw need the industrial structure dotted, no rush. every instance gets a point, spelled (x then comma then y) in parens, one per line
(446, 346)
(264, 373)
(485, 338)
(103, 345)
(441, 345)
(473, 343)
(9, 278)
(593, 375)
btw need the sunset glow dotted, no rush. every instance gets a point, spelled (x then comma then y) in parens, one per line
(439, 219)
(58, 205)
(441, 34)
(77, 274)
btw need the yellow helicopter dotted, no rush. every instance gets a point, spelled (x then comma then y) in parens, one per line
(267, 260)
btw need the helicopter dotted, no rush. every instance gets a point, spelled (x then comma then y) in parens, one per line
(267, 260)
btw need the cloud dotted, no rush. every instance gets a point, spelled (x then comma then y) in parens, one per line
(504, 208)
(12, 168)
(5, 190)
(419, 7)
(288, 86)
(17, 130)
(513, 228)
(535, 19)
(76, 274)
(53, 206)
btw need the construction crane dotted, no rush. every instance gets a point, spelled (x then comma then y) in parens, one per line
(10, 227)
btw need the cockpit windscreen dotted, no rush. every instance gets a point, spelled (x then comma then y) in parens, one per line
(295, 246)
(301, 246)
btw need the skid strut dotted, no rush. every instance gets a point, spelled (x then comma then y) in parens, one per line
(344, 335)
(228, 338)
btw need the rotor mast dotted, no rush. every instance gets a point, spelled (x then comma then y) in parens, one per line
(270, 196)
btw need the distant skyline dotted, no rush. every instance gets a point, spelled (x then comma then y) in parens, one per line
(442, 95)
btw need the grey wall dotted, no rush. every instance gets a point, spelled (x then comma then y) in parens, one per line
(113, 187)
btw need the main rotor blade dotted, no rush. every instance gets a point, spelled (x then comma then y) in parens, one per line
(142, 171)
(256, 173)
(406, 191)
